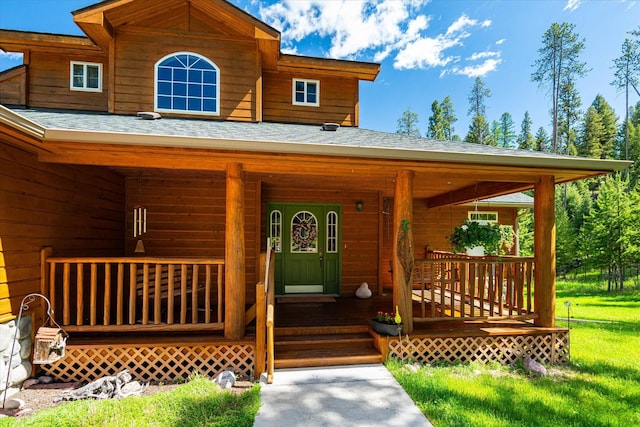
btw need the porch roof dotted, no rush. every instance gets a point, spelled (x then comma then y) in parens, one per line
(265, 137)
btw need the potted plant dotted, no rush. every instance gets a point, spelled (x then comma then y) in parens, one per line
(387, 323)
(472, 235)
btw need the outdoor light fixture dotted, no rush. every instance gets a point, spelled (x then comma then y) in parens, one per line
(359, 205)
(139, 224)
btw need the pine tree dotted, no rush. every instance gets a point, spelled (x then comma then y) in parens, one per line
(557, 67)
(541, 140)
(436, 123)
(479, 128)
(525, 139)
(627, 76)
(609, 121)
(591, 135)
(479, 132)
(568, 119)
(507, 134)
(448, 119)
(408, 123)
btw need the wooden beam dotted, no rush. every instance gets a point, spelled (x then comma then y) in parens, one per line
(235, 289)
(475, 192)
(403, 247)
(545, 251)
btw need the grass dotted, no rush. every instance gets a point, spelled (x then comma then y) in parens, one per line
(200, 402)
(600, 387)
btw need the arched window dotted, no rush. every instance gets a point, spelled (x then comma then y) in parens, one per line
(187, 82)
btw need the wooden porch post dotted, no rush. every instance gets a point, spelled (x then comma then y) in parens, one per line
(235, 287)
(545, 251)
(403, 247)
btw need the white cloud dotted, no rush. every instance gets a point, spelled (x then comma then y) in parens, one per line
(480, 55)
(500, 42)
(572, 5)
(379, 28)
(11, 56)
(478, 70)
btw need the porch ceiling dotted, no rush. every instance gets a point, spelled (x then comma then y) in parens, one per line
(298, 156)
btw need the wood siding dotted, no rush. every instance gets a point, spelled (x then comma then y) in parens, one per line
(49, 82)
(136, 55)
(76, 210)
(338, 100)
(359, 229)
(13, 86)
(186, 218)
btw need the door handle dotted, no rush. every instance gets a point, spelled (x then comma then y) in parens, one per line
(321, 259)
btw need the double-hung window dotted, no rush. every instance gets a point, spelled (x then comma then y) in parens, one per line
(86, 76)
(306, 92)
(187, 82)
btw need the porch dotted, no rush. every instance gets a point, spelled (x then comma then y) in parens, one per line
(463, 309)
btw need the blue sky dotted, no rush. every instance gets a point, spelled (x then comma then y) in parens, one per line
(428, 49)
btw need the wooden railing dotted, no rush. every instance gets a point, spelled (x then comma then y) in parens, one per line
(265, 305)
(120, 294)
(450, 286)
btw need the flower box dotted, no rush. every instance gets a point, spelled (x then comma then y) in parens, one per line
(386, 328)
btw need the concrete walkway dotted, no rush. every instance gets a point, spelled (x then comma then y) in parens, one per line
(345, 396)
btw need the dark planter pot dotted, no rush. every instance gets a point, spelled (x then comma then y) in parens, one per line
(385, 328)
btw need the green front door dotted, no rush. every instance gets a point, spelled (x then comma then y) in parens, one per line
(307, 244)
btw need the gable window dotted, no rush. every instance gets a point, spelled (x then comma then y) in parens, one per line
(306, 92)
(484, 217)
(86, 76)
(187, 82)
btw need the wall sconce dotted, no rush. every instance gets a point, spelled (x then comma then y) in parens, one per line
(359, 205)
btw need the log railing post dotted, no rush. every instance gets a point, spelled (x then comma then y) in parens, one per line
(403, 256)
(545, 251)
(235, 289)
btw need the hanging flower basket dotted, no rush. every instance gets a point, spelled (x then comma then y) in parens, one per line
(471, 234)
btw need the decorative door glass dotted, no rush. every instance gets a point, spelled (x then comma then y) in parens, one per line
(304, 233)
(332, 232)
(276, 230)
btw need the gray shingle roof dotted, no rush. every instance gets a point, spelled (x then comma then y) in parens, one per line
(265, 136)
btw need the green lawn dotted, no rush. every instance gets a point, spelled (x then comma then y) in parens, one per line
(601, 386)
(200, 402)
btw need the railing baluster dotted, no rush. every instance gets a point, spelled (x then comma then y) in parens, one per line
(106, 316)
(170, 293)
(529, 277)
(132, 293)
(120, 294)
(80, 294)
(183, 295)
(145, 293)
(220, 267)
(463, 288)
(157, 297)
(94, 294)
(52, 286)
(194, 294)
(66, 284)
(207, 295)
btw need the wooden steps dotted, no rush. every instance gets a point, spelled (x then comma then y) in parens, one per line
(324, 346)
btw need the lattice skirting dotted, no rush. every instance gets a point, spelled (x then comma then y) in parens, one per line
(549, 348)
(156, 363)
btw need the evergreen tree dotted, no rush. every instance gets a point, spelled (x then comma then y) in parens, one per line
(507, 134)
(627, 76)
(436, 123)
(557, 67)
(525, 139)
(609, 127)
(448, 119)
(479, 132)
(568, 119)
(479, 127)
(591, 135)
(541, 141)
(408, 123)
(496, 132)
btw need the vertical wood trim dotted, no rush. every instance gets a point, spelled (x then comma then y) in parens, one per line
(207, 295)
(194, 294)
(356, 105)
(235, 290)
(111, 76)
(381, 219)
(93, 302)
(261, 329)
(403, 211)
(120, 294)
(220, 293)
(258, 225)
(145, 293)
(132, 293)
(183, 295)
(106, 317)
(170, 293)
(545, 251)
(26, 60)
(66, 287)
(157, 297)
(80, 294)
(258, 95)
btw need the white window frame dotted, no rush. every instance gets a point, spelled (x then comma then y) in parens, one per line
(487, 220)
(187, 112)
(306, 83)
(331, 244)
(84, 87)
(276, 230)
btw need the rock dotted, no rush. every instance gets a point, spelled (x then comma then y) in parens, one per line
(534, 367)
(226, 379)
(363, 291)
(44, 379)
(412, 368)
(30, 383)
(14, 404)
(132, 388)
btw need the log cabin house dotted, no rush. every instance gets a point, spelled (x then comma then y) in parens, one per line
(144, 167)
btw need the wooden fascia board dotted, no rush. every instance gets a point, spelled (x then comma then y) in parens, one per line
(475, 192)
(98, 28)
(20, 41)
(362, 70)
(21, 124)
(13, 72)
